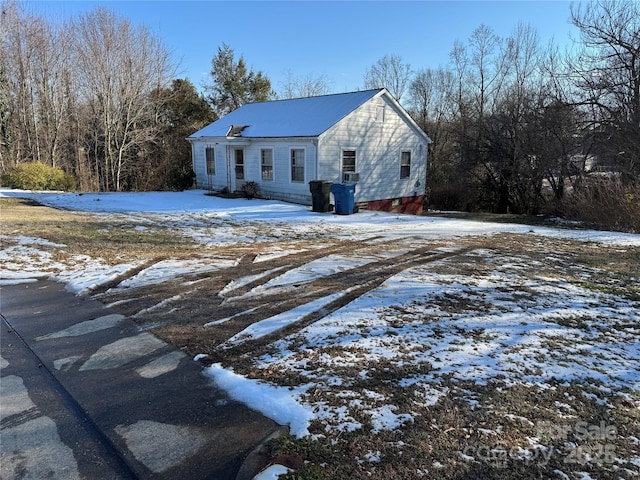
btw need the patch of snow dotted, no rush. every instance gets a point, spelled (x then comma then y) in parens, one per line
(80, 280)
(157, 306)
(277, 403)
(315, 269)
(23, 240)
(172, 268)
(278, 322)
(465, 457)
(277, 219)
(372, 457)
(16, 281)
(385, 418)
(272, 472)
(241, 282)
(264, 257)
(226, 319)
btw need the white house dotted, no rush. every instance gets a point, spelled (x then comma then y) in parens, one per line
(364, 137)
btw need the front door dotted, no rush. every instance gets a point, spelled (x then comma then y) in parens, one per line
(238, 160)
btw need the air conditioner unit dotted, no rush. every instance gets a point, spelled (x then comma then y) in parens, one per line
(351, 177)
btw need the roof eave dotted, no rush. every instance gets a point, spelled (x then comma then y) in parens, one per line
(235, 139)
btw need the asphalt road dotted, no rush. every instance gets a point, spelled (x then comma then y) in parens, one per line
(86, 393)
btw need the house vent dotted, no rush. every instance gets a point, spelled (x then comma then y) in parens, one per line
(350, 177)
(236, 130)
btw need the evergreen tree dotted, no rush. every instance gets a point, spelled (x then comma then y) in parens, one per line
(233, 84)
(181, 111)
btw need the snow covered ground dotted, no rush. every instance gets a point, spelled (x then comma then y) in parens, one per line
(477, 316)
(214, 221)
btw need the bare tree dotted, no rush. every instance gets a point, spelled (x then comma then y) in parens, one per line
(522, 62)
(19, 51)
(460, 70)
(495, 93)
(52, 85)
(489, 68)
(7, 103)
(309, 85)
(34, 68)
(608, 72)
(121, 66)
(389, 72)
(432, 105)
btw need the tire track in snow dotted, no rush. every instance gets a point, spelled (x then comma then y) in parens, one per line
(204, 293)
(352, 283)
(224, 302)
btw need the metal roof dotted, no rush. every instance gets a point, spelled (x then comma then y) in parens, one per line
(298, 117)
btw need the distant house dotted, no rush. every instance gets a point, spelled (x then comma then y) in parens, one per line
(364, 137)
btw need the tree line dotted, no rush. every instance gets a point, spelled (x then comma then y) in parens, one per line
(517, 126)
(96, 97)
(525, 128)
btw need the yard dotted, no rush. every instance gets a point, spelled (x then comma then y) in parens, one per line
(393, 346)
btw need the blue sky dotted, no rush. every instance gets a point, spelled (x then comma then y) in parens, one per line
(337, 39)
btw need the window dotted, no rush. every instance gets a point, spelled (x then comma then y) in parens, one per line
(348, 161)
(266, 160)
(297, 165)
(239, 159)
(211, 160)
(380, 114)
(405, 164)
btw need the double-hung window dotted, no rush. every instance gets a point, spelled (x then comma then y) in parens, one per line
(210, 156)
(297, 164)
(405, 164)
(348, 161)
(266, 161)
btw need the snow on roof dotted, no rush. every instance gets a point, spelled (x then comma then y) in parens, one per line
(298, 117)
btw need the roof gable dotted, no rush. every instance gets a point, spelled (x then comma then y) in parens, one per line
(298, 117)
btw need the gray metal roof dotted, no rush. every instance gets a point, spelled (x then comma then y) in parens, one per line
(298, 117)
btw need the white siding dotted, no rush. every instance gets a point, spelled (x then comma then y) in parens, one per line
(217, 181)
(378, 140)
(377, 131)
(280, 188)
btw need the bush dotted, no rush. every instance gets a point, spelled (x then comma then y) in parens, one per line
(38, 176)
(181, 179)
(250, 189)
(456, 195)
(605, 203)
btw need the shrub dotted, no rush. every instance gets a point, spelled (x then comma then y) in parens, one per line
(38, 176)
(605, 203)
(250, 189)
(456, 195)
(180, 178)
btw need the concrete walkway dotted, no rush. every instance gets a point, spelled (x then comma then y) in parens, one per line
(85, 394)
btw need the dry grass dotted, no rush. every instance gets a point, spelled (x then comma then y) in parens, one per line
(112, 238)
(505, 432)
(452, 440)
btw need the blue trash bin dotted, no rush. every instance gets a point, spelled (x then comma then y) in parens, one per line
(344, 195)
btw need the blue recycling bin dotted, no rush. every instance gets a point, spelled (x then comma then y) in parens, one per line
(344, 195)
